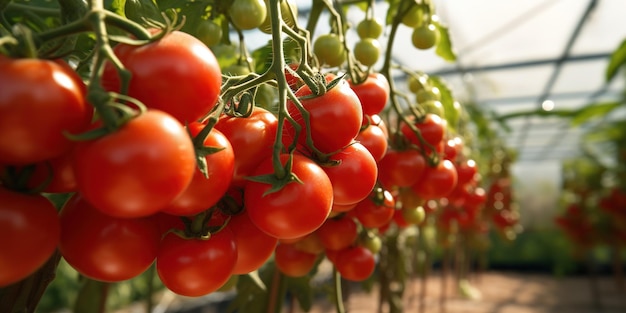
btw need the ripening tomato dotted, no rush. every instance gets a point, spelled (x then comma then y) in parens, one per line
(204, 192)
(103, 247)
(401, 168)
(138, 169)
(432, 128)
(373, 93)
(374, 138)
(40, 101)
(355, 263)
(252, 139)
(177, 74)
(466, 171)
(295, 210)
(339, 107)
(437, 181)
(254, 247)
(56, 173)
(196, 267)
(293, 262)
(338, 233)
(374, 213)
(30, 229)
(352, 172)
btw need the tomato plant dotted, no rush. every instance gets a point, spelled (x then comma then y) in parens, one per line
(103, 247)
(177, 74)
(295, 210)
(41, 102)
(30, 228)
(141, 168)
(196, 266)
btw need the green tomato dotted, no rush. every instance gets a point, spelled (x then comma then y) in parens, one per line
(209, 32)
(372, 243)
(425, 36)
(369, 28)
(434, 107)
(285, 7)
(416, 83)
(247, 14)
(367, 51)
(428, 94)
(329, 50)
(415, 215)
(413, 17)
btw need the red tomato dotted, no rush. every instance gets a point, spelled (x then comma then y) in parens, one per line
(436, 182)
(196, 267)
(177, 74)
(353, 176)
(252, 139)
(295, 210)
(374, 215)
(103, 247)
(40, 102)
(355, 263)
(338, 233)
(453, 148)
(401, 168)
(432, 128)
(338, 208)
(310, 243)
(373, 93)
(58, 173)
(293, 262)
(203, 193)
(374, 139)
(29, 228)
(254, 247)
(466, 171)
(339, 107)
(399, 220)
(137, 170)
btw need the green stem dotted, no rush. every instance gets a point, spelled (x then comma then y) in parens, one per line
(338, 294)
(317, 6)
(277, 292)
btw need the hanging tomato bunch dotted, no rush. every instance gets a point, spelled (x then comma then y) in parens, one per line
(165, 144)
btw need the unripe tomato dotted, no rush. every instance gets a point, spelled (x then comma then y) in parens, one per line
(247, 14)
(413, 17)
(369, 28)
(209, 32)
(288, 10)
(329, 50)
(367, 51)
(425, 36)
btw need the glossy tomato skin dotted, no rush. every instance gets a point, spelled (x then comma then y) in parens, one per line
(338, 233)
(204, 192)
(103, 247)
(177, 74)
(196, 267)
(401, 168)
(39, 101)
(355, 263)
(372, 214)
(353, 174)
(339, 107)
(437, 181)
(466, 171)
(30, 229)
(373, 93)
(254, 247)
(252, 139)
(432, 129)
(56, 173)
(295, 210)
(374, 138)
(293, 262)
(138, 169)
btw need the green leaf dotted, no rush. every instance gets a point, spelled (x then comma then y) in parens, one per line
(607, 132)
(594, 110)
(116, 6)
(444, 45)
(300, 287)
(617, 60)
(141, 11)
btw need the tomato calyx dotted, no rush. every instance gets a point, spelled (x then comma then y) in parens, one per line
(276, 180)
(198, 226)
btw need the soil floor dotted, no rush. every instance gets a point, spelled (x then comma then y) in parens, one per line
(495, 292)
